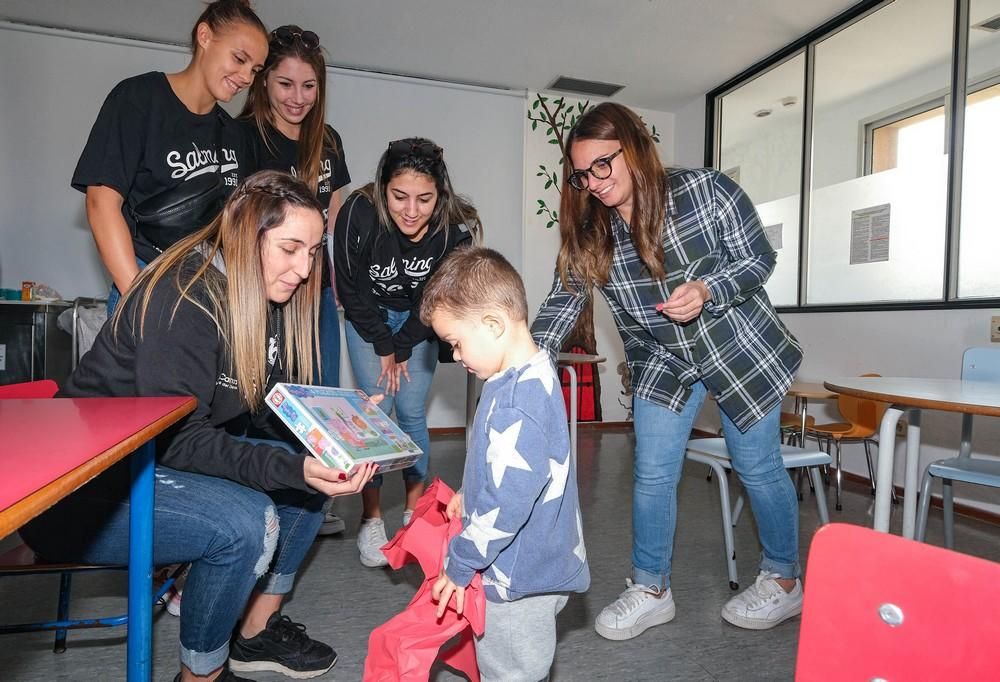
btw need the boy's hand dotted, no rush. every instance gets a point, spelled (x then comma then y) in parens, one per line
(454, 508)
(442, 591)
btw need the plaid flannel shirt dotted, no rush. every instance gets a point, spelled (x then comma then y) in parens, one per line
(737, 346)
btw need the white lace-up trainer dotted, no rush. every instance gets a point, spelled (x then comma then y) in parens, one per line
(764, 604)
(637, 609)
(407, 515)
(371, 537)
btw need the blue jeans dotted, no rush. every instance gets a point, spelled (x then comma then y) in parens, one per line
(114, 295)
(411, 400)
(234, 537)
(329, 340)
(661, 436)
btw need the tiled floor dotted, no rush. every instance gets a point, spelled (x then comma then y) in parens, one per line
(341, 601)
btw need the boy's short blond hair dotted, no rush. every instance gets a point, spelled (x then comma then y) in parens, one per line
(471, 280)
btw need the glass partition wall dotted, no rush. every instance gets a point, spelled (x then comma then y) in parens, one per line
(844, 143)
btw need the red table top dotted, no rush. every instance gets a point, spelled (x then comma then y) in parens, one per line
(43, 440)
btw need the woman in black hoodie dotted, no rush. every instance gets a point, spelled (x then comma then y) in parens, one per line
(223, 315)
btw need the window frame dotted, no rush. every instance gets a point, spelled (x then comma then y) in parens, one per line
(954, 100)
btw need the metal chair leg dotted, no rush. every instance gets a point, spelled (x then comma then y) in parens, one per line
(948, 509)
(924, 508)
(727, 526)
(824, 515)
(840, 477)
(871, 468)
(62, 610)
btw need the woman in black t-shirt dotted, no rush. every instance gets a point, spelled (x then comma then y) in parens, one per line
(284, 119)
(284, 123)
(156, 130)
(390, 238)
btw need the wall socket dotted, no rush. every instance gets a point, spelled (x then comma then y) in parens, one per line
(995, 329)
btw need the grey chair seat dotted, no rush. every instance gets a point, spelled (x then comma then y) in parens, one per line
(967, 470)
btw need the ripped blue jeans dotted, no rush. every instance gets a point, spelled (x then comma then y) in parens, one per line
(234, 537)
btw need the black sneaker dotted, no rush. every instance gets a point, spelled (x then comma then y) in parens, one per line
(284, 647)
(225, 676)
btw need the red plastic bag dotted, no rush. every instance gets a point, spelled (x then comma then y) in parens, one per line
(406, 646)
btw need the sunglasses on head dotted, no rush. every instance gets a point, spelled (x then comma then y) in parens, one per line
(285, 36)
(425, 148)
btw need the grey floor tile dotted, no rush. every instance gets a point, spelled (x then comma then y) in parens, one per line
(341, 601)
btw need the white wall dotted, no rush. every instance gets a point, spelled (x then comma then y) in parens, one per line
(54, 82)
(541, 245)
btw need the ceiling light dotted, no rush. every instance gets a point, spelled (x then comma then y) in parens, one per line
(761, 113)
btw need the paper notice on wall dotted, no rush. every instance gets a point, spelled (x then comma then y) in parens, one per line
(870, 234)
(773, 233)
(3, 357)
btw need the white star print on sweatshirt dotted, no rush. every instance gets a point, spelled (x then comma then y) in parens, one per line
(522, 528)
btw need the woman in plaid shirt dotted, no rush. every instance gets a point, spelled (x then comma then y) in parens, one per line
(681, 258)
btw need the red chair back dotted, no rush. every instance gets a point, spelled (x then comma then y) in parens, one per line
(879, 606)
(45, 388)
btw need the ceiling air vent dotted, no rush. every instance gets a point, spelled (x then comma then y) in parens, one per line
(992, 25)
(582, 87)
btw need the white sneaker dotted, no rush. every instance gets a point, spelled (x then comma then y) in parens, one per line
(637, 609)
(332, 524)
(764, 604)
(407, 515)
(176, 593)
(371, 537)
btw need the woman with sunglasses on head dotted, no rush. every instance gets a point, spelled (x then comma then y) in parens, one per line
(284, 119)
(681, 258)
(390, 237)
(223, 315)
(156, 132)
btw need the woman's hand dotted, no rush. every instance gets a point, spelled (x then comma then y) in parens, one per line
(454, 508)
(442, 591)
(403, 370)
(686, 301)
(334, 482)
(390, 374)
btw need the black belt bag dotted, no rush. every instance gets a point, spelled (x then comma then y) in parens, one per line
(164, 219)
(171, 215)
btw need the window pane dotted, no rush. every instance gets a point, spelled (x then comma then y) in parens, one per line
(761, 148)
(979, 236)
(880, 236)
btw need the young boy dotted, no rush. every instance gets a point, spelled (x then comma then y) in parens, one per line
(521, 515)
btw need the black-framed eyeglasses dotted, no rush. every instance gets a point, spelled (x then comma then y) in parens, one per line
(424, 148)
(600, 169)
(285, 36)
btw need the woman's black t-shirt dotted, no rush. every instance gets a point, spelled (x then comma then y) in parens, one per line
(145, 142)
(281, 153)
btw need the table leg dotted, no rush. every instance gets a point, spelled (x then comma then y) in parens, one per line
(910, 476)
(470, 406)
(140, 565)
(883, 481)
(572, 409)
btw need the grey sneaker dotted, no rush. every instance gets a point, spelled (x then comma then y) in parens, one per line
(637, 609)
(764, 604)
(371, 537)
(332, 524)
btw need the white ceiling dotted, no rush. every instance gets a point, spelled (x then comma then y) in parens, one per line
(666, 52)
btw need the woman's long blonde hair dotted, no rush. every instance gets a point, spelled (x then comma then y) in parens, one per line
(585, 223)
(236, 299)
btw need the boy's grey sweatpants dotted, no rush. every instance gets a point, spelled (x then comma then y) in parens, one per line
(519, 643)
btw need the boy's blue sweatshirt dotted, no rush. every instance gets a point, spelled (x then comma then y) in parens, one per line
(521, 513)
